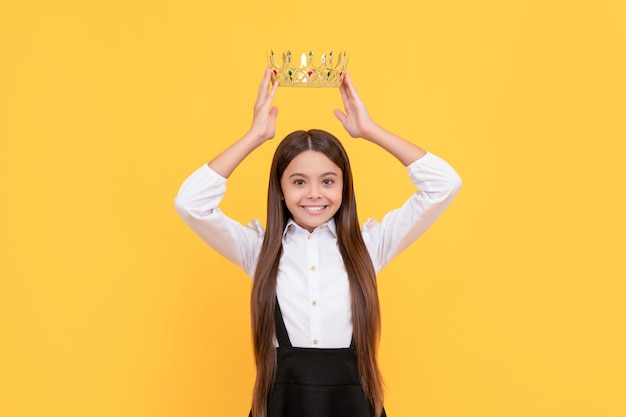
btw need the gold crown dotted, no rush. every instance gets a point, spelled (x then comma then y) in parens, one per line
(308, 75)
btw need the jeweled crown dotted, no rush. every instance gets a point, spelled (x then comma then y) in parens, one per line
(307, 74)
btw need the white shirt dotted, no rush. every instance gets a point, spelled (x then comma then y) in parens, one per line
(312, 284)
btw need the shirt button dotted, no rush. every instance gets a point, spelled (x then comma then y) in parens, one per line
(308, 237)
(312, 268)
(314, 303)
(315, 341)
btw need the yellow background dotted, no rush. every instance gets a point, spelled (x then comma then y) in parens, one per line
(511, 305)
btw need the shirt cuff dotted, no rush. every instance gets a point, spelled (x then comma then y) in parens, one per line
(425, 163)
(209, 172)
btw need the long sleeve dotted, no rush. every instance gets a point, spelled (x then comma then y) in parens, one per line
(437, 184)
(197, 204)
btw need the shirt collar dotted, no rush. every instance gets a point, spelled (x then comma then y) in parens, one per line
(330, 225)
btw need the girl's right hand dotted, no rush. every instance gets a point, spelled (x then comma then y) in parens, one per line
(264, 120)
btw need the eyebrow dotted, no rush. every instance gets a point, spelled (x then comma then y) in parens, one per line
(298, 174)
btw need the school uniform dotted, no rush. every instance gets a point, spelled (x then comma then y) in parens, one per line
(313, 382)
(312, 286)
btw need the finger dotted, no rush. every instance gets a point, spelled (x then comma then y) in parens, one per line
(265, 101)
(344, 96)
(341, 116)
(264, 83)
(342, 90)
(272, 93)
(351, 90)
(264, 98)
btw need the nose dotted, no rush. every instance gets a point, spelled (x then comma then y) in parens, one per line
(314, 193)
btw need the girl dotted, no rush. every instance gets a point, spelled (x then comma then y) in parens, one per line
(314, 304)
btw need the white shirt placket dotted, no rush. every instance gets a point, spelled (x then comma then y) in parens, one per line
(314, 278)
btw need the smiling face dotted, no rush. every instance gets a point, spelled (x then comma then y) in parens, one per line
(312, 187)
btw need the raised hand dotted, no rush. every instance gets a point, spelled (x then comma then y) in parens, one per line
(263, 128)
(356, 120)
(264, 120)
(358, 123)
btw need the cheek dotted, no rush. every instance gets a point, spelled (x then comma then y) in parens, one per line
(293, 197)
(289, 194)
(339, 195)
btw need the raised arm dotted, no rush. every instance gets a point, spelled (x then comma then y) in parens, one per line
(358, 123)
(263, 128)
(436, 182)
(199, 196)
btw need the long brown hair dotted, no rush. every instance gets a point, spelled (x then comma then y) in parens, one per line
(358, 264)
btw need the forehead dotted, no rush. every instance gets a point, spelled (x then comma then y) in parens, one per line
(311, 163)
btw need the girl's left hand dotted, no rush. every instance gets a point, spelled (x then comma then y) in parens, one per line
(356, 120)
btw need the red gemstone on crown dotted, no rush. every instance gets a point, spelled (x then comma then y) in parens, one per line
(310, 72)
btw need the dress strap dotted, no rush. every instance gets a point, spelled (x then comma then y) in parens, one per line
(281, 329)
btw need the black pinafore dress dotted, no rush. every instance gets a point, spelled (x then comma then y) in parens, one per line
(314, 382)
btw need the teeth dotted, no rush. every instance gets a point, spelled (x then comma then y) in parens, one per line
(315, 208)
